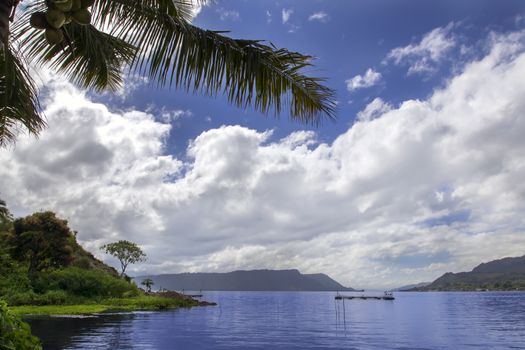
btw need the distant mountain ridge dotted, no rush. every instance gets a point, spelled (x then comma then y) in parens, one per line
(501, 274)
(246, 280)
(411, 286)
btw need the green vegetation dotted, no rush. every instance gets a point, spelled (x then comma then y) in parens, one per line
(41, 263)
(42, 240)
(108, 305)
(45, 271)
(126, 252)
(5, 217)
(15, 334)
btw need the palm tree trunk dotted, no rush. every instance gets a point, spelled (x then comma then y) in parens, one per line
(6, 11)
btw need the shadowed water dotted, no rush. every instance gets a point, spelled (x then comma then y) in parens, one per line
(263, 320)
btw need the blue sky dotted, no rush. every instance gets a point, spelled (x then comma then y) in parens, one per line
(421, 174)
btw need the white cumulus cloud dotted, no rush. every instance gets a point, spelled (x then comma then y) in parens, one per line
(198, 5)
(370, 78)
(320, 16)
(374, 109)
(404, 195)
(424, 56)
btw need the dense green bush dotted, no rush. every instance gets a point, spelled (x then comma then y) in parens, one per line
(15, 334)
(15, 283)
(20, 298)
(58, 287)
(84, 283)
(82, 263)
(52, 297)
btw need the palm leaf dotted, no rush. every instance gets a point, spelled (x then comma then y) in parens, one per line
(18, 98)
(5, 215)
(91, 58)
(174, 52)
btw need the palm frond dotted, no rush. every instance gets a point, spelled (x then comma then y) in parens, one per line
(91, 58)
(18, 98)
(107, 12)
(174, 52)
(171, 51)
(5, 214)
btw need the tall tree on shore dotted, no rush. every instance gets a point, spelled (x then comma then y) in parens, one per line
(89, 41)
(126, 252)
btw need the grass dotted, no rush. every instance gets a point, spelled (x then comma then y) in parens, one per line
(108, 305)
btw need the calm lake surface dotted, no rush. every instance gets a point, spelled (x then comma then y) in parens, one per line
(280, 320)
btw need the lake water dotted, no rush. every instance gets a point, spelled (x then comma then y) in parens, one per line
(280, 320)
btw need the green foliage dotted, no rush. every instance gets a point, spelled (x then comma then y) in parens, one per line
(15, 280)
(21, 298)
(82, 263)
(97, 56)
(107, 305)
(52, 297)
(65, 286)
(83, 283)
(6, 219)
(43, 240)
(15, 334)
(4, 211)
(18, 97)
(126, 252)
(43, 246)
(150, 303)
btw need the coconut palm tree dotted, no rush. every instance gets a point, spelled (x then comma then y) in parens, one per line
(153, 38)
(4, 211)
(5, 216)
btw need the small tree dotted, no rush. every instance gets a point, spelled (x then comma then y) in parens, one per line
(126, 252)
(148, 282)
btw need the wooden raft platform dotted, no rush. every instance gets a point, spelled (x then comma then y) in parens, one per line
(365, 297)
(385, 296)
(194, 295)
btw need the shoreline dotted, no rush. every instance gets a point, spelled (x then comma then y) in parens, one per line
(142, 303)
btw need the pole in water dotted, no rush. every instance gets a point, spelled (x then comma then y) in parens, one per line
(344, 314)
(336, 312)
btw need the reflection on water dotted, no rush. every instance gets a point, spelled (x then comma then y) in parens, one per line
(105, 332)
(253, 320)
